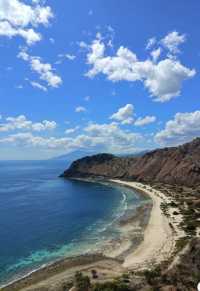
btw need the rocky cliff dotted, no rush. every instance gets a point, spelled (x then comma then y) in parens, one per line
(175, 165)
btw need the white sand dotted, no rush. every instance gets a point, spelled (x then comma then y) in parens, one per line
(159, 238)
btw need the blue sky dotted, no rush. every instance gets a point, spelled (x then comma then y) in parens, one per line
(109, 76)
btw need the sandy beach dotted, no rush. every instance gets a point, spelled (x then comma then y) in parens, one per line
(159, 238)
(157, 245)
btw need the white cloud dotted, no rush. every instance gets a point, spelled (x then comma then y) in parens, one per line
(111, 137)
(99, 35)
(45, 70)
(173, 40)
(141, 121)
(71, 130)
(20, 19)
(156, 54)
(28, 139)
(97, 51)
(163, 79)
(83, 44)
(30, 35)
(150, 43)
(63, 57)
(124, 114)
(70, 57)
(80, 109)
(102, 137)
(183, 128)
(116, 68)
(22, 123)
(38, 86)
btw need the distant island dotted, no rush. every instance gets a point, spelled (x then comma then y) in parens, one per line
(168, 257)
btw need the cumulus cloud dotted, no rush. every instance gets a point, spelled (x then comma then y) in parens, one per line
(20, 19)
(111, 137)
(183, 128)
(30, 140)
(22, 123)
(96, 52)
(150, 43)
(103, 137)
(29, 34)
(163, 79)
(173, 40)
(141, 121)
(124, 114)
(44, 70)
(156, 54)
(80, 109)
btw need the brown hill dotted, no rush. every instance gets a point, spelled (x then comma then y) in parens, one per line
(175, 165)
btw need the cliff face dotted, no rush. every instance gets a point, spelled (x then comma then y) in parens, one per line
(178, 165)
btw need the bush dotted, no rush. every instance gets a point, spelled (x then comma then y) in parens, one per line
(151, 275)
(175, 213)
(173, 204)
(110, 286)
(66, 286)
(181, 243)
(94, 274)
(82, 283)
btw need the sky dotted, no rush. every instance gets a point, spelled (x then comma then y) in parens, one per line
(118, 76)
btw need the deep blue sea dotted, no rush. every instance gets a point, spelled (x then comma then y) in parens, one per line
(44, 217)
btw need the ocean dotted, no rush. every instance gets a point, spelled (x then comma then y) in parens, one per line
(44, 218)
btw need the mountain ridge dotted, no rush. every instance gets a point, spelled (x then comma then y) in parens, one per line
(171, 165)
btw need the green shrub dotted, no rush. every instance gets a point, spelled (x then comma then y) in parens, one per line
(173, 204)
(175, 213)
(151, 275)
(181, 243)
(110, 286)
(82, 283)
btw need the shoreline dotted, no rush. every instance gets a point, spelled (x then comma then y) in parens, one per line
(52, 269)
(159, 238)
(114, 249)
(157, 245)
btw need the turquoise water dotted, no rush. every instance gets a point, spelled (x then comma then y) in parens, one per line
(44, 218)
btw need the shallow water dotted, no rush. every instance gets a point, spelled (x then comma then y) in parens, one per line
(43, 217)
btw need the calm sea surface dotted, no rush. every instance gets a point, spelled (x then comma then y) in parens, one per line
(44, 218)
